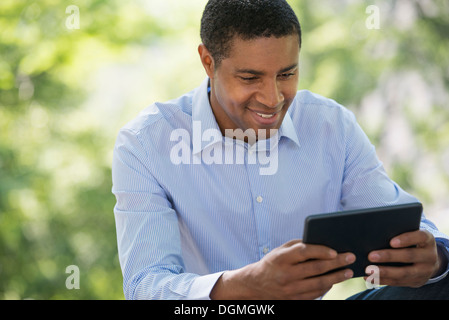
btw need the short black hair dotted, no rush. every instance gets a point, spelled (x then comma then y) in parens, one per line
(249, 19)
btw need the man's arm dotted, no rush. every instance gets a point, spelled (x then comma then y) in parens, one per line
(366, 184)
(148, 234)
(292, 271)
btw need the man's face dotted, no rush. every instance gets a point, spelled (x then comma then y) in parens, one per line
(254, 87)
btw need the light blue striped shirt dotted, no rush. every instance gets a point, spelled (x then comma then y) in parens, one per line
(192, 204)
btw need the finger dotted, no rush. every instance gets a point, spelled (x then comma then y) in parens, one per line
(318, 267)
(408, 255)
(410, 276)
(420, 238)
(300, 252)
(291, 243)
(325, 282)
(315, 287)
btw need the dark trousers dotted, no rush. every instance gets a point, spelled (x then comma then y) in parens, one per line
(435, 291)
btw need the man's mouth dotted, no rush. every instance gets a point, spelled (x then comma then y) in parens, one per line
(266, 116)
(266, 119)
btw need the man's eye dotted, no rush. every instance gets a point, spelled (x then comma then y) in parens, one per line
(248, 78)
(286, 75)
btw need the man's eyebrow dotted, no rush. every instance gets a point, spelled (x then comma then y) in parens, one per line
(293, 66)
(261, 73)
(250, 71)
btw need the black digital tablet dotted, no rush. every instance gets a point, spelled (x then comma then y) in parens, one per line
(362, 231)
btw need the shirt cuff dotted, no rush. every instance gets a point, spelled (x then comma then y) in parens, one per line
(445, 273)
(202, 286)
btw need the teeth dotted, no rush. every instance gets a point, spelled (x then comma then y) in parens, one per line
(265, 116)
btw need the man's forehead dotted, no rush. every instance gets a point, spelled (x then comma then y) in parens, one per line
(258, 54)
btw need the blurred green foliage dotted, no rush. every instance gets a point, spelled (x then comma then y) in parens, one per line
(64, 94)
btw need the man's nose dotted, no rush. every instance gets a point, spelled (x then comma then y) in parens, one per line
(270, 94)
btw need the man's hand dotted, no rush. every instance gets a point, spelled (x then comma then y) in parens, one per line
(292, 271)
(418, 248)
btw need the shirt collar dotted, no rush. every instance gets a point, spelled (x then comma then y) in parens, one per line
(203, 118)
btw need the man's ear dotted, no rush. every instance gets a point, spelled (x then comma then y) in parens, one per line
(207, 60)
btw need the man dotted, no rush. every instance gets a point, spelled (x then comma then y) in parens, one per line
(196, 215)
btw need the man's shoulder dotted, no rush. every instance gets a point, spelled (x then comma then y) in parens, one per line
(311, 105)
(162, 114)
(308, 98)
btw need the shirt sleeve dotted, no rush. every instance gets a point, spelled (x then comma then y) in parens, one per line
(148, 235)
(366, 184)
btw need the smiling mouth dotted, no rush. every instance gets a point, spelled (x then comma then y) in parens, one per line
(266, 119)
(266, 116)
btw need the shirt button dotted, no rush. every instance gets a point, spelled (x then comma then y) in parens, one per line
(266, 250)
(259, 199)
